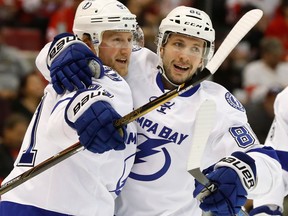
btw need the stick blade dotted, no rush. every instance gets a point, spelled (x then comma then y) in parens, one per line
(204, 122)
(242, 27)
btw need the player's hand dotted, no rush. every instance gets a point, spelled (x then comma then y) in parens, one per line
(266, 210)
(96, 130)
(233, 176)
(72, 63)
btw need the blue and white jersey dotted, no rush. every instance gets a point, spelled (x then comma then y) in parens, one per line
(85, 184)
(278, 138)
(159, 183)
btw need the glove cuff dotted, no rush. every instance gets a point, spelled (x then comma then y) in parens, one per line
(82, 100)
(266, 210)
(245, 170)
(60, 43)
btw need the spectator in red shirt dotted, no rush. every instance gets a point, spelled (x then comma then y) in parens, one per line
(62, 19)
(278, 27)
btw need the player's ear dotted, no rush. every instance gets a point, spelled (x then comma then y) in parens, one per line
(161, 51)
(201, 63)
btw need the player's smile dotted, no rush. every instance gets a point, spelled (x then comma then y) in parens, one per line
(122, 61)
(180, 68)
(121, 64)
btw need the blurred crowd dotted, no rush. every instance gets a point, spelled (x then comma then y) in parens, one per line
(255, 72)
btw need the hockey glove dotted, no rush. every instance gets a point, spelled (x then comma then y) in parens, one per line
(96, 130)
(266, 210)
(233, 176)
(72, 63)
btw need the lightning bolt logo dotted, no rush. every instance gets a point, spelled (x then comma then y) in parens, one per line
(147, 149)
(121, 182)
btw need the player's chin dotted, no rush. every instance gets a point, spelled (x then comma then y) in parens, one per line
(178, 80)
(122, 70)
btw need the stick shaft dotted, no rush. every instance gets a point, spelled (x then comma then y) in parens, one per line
(52, 161)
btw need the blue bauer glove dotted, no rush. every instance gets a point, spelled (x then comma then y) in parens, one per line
(72, 64)
(96, 130)
(234, 176)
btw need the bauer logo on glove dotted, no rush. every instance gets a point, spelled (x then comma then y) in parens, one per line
(244, 170)
(84, 99)
(60, 45)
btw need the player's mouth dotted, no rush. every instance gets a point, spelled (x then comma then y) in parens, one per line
(181, 68)
(122, 60)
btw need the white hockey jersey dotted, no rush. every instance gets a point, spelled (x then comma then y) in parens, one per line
(159, 183)
(278, 138)
(85, 184)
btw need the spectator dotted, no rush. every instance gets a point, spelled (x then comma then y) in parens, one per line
(266, 72)
(234, 8)
(8, 10)
(260, 114)
(62, 19)
(148, 16)
(13, 67)
(28, 14)
(228, 74)
(5, 111)
(29, 95)
(278, 26)
(36, 14)
(256, 34)
(13, 134)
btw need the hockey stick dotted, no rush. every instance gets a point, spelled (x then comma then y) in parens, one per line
(242, 27)
(204, 122)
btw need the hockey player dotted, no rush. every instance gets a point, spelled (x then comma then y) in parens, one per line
(272, 203)
(278, 135)
(159, 183)
(185, 45)
(87, 183)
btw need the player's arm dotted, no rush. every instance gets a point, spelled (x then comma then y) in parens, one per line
(269, 194)
(278, 134)
(248, 170)
(271, 203)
